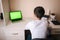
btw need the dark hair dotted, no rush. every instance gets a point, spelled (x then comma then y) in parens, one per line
(39, 12)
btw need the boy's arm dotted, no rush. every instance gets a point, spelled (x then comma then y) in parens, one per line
(29, 25)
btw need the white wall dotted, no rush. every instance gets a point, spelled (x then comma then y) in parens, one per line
(27, 6)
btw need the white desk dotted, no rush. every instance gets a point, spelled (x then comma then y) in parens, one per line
(14, 30)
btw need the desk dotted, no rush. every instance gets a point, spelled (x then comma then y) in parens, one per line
(55, 28)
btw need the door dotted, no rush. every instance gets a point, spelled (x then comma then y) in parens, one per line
(1, 12)
(6, 10)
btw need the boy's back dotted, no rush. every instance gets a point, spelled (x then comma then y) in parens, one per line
(38, 28)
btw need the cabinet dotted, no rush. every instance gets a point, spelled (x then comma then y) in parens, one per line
(12, 33)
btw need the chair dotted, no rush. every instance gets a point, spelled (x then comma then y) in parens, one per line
(27, 35)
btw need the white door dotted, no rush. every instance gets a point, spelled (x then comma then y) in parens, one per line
(0, 6)
(6, 10)
(1, 11)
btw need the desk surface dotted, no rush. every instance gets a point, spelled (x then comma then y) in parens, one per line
(53, 25)
(55, 28)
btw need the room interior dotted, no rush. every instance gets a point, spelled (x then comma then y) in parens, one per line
(15, 30)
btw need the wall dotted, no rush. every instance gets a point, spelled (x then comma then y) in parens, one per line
(58, 15)
(27, 6)
(58, 10)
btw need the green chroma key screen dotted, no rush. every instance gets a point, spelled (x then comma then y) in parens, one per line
(15, 15)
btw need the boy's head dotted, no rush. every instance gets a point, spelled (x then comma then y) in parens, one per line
(39, 12)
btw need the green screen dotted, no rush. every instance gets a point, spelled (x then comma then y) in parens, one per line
(15, 15)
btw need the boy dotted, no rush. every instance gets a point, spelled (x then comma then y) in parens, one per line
(38, 27)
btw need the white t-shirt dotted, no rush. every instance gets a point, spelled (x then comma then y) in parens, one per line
(38, 28)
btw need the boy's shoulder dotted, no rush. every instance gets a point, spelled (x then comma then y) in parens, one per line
(29, 25)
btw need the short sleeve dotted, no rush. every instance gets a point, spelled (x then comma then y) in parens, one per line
(29, 25)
